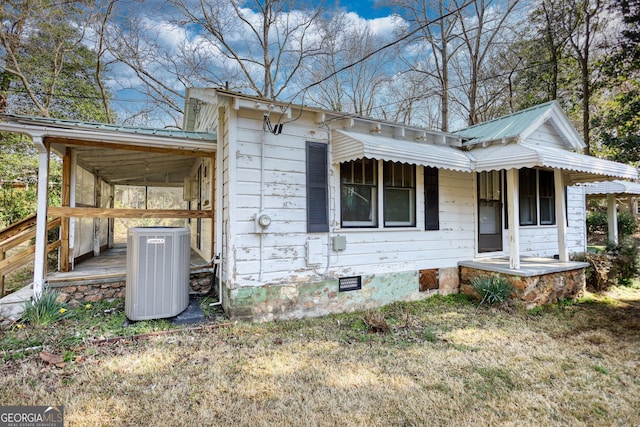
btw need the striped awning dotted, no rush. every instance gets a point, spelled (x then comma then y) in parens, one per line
(348, 146)
(522, 155)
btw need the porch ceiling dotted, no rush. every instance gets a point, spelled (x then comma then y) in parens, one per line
(126, 155)
(125, 167)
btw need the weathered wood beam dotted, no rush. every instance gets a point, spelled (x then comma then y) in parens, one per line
(128, 213)
(120, 146)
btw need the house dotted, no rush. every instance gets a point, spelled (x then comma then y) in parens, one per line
(306, 211)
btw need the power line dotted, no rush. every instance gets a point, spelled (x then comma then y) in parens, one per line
(369, 55)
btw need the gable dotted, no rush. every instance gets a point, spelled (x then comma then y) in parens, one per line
(547, 135)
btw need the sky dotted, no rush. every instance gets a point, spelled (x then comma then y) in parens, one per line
(365, 8)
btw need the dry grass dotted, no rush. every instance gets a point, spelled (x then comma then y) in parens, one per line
(440, 362)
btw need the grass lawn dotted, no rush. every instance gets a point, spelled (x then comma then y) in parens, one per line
(442, 361)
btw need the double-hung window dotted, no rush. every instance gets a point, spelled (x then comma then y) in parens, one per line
(362, 188)
(537, 197)
(359, 193)
(399, 194)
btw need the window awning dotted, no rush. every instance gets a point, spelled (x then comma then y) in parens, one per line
(523, 155)
(349, 146)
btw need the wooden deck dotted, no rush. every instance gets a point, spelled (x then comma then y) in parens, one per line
(109, 265)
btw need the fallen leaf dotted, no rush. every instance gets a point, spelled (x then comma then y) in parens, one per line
(51, 359)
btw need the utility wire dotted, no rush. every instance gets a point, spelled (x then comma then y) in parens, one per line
(369, 55)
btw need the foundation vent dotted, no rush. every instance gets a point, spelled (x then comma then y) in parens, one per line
(349, 283)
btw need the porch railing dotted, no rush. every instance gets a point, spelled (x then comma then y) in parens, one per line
(16, 235)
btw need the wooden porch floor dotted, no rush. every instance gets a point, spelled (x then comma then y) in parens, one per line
(529, 266)
(110, 264)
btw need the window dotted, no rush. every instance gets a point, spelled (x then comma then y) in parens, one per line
(528, 205)
(537, 197)
(361, 188)
(547, 198)
(317, 188)
(359, 193)
(431, 199)
(399, 194)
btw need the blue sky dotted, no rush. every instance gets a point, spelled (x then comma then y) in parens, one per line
(365, 8)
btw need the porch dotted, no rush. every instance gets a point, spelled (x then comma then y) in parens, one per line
(537, 281)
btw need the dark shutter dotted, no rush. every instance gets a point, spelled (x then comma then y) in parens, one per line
(431, 199)
(317, 188)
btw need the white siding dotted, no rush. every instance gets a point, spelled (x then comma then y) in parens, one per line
(543, 240)
(577, 230)
(547, 136)
(266, 172)
(279, 255)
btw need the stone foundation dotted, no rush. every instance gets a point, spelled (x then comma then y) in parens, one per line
(533, 290)
(80, 293)
(319, 297)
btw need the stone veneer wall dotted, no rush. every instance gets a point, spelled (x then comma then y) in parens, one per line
(534, 290)
(75, 294)
(317, 298)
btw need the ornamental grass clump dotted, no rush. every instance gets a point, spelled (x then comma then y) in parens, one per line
(44, 311)
(493, 289)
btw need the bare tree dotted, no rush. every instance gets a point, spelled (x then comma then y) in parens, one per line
(434, 46)
(263, 42)
(349, 77)
(483, 28)
(583, 23)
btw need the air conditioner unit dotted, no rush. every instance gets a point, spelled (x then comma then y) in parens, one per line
(157, 283)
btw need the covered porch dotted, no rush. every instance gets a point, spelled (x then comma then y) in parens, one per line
(95, 159)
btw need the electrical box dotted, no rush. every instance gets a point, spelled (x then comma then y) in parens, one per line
(190, 189)
(339, 243)
(157, 284)
(314, 252)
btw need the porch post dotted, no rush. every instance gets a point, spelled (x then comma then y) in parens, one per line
(513, 214)
(40, 259)
(63, 262)
(561, 221)
(612, 218)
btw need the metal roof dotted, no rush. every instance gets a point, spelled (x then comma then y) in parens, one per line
(613, 187)
(521, 155)
(117, 153)
(76, 124)
(519, 125)
(348, 146)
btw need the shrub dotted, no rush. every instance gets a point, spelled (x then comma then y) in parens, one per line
(596, 222)
(600, 274)
(375, 321)
(493, 289)
(625, 259)
(44, 311)
(627, 224)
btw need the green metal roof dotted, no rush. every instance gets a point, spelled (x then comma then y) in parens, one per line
(507, 127)
(76, 124)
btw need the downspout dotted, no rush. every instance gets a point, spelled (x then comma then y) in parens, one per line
(262, 143)
(219, 204)
(40, 259)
